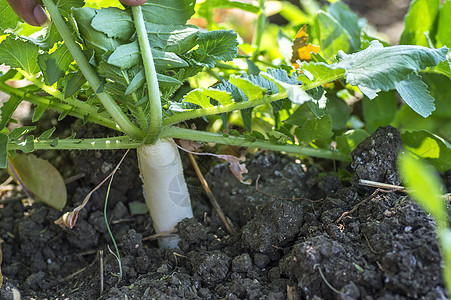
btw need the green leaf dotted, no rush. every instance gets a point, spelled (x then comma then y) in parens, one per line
(114, 22)
(74, 83)
(440, 88)
(19, 54)
(216, 45)
(3, 150)
(128, 55)
(348, 20)
(443, 36)
(8, 19)
(295, 93)
(426, 187)
(251, 90)
(444, 68)
(333, 37)
(93, 39)
(317, 72)
(7, 110)
(338, 110)
(55, 64)
(415, 93)
(169, 12)
(377, 68)
(173, 38)
(49, 37)
(42, 179)
(419, 22)
(315, 129)
(26, 145)
(348, 141)
(380, 111)
(39, 111)
(65, 6)
(203, 9)
(16, 133)
(47, 134)
(202, 97)
(429, 146)
(300, 115)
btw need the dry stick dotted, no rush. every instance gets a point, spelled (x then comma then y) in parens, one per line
(382, 185)
(396, 188)
(210, 195)
(101, 271)
(159, 235)
(6, 182)
(324, 278)
(346, 213)
(69, 277)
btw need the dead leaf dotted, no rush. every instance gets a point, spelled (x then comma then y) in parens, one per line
(237, 167)
(40, 178)
(301, 49)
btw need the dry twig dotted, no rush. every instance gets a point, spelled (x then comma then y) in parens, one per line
(228, 224)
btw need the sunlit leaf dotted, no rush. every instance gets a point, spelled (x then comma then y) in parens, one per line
(380, 111)
(216, 45)
(419, 22)
(349, 20)
(443, 36)
(379, 68)
(19, 54)
(8, 19)
(415, 93)
(251, 90)
(170, 12)
(315, 129)
(333, 37)
(350, 140)
(202, 97)
(429, 146)
(426, 187)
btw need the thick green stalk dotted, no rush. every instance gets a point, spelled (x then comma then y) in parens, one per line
(108, 102)
(207, 137)
(151, 77)
(122, 142)
(196, 113)
(59, 107)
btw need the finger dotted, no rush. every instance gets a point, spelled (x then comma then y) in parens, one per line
(133, 2)
(31, 11)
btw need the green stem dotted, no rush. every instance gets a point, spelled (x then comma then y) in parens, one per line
(177, 118)
(207, 137)
(57, 94)
(122, 142)
(210, 15)
(59, 107)
(259, 28)
(151, 77)
(108, 102)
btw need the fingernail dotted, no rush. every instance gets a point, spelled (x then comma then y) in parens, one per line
(41, 16)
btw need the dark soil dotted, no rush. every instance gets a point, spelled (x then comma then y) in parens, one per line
(300, 234)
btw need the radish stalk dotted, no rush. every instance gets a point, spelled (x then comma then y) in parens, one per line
(164, 188)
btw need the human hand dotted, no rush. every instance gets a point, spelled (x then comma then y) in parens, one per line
(32, 11)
